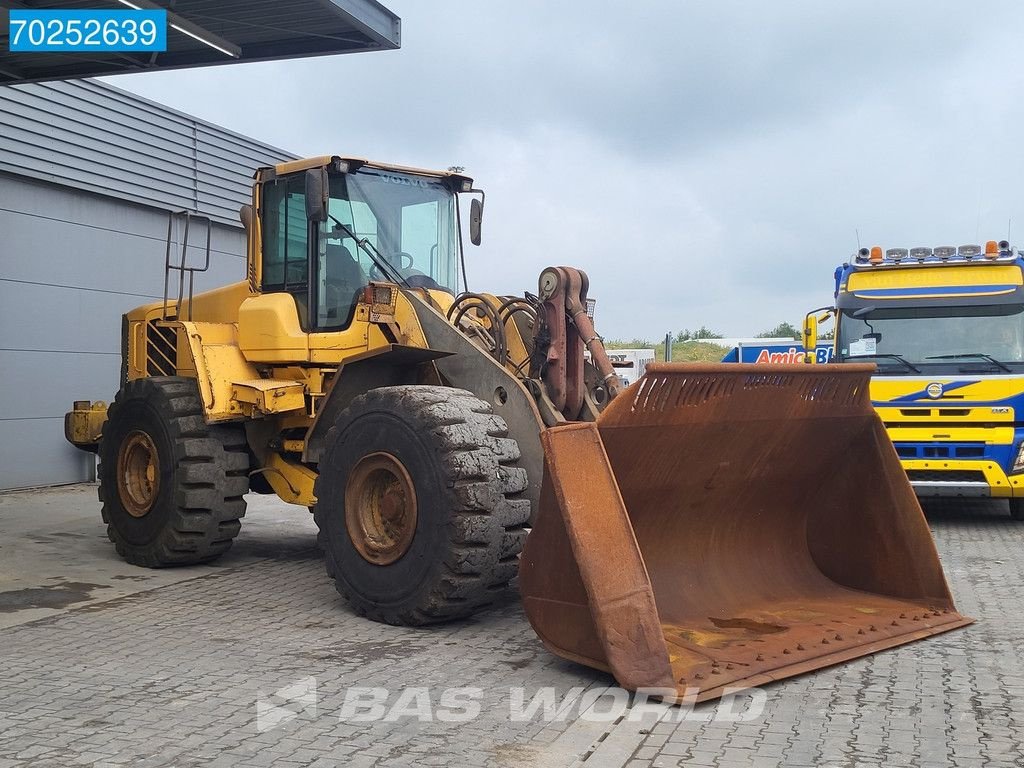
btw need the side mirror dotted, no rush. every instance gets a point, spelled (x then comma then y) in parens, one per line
(810, 337)
(318, 192)
(811, 322)
(245, 216)
(476, 217)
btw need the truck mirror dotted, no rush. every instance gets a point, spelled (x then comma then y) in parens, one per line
(317, 194)
(810, 336)
(476, 216)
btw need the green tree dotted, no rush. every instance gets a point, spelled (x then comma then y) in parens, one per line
(782, 330)
(701, 333)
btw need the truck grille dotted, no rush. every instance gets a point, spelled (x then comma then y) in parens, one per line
(945, 476)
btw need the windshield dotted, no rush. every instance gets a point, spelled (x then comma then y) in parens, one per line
(963, 336)
(381, 225)
(407, 220)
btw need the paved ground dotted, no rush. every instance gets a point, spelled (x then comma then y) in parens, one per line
(256, 661)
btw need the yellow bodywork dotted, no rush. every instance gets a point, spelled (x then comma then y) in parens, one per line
(254, 362)
(947, 421)
(252, 359)
(1002, 278)
(83, 425)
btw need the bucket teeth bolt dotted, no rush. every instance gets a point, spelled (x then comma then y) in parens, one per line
(715, 671)
(760, 657)
(799, 646)
(894, 623)
(786, 651)
(903, 615)
(872, 628)
(824, 641)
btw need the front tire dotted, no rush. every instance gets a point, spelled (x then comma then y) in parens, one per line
(419, 504)
(1017, 509)
(172, 486)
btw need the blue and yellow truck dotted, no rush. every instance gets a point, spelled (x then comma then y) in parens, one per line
(945, 327)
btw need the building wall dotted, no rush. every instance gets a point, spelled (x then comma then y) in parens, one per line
(82, 240)
(91, 136)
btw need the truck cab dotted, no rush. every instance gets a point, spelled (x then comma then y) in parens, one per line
(945, 328)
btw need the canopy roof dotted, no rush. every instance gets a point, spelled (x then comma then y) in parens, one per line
(209, 32)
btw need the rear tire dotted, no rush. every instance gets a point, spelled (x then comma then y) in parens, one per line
(1017, 509)
(436, 517)
(171, 485)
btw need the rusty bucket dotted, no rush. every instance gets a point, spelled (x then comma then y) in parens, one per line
(723, 526)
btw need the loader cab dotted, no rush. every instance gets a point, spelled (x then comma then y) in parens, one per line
(377, 224)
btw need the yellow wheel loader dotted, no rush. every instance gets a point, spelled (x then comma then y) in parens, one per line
(686, 533)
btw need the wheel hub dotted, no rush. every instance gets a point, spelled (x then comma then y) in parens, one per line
(138, 473)
(380, 508)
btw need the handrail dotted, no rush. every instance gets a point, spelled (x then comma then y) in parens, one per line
(180, 267)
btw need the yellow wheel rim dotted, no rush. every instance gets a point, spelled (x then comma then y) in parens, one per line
(380, 508)
(138, 473)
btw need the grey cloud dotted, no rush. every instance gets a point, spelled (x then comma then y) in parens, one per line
(706, 162)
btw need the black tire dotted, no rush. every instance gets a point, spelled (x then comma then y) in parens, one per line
(471, 518)
(194, 511)
(1017, 509)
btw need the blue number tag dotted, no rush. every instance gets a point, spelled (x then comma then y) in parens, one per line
(77, 31)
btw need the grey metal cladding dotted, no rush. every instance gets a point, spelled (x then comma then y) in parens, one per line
(61, 132)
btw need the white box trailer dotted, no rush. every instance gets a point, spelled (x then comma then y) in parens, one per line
(630, 364)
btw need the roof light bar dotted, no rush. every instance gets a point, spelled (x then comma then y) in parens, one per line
(944, 254)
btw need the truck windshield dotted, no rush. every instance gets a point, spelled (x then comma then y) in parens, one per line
(958, 336)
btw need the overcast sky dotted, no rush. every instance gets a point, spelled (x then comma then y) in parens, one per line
(705, 162)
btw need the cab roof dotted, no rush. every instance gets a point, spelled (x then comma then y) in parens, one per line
(296, 166)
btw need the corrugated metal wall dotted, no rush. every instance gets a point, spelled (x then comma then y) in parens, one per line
(84, 195)
(91, 136)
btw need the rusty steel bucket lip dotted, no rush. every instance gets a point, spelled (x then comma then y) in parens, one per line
(823, 661)
(759, 368)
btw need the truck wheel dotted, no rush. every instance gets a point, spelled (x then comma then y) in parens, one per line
(420, 505)
(1017, 509)
(170, 484)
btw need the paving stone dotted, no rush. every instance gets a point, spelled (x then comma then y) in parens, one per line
(209, 673)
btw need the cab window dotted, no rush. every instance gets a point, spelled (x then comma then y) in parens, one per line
(286, 240)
